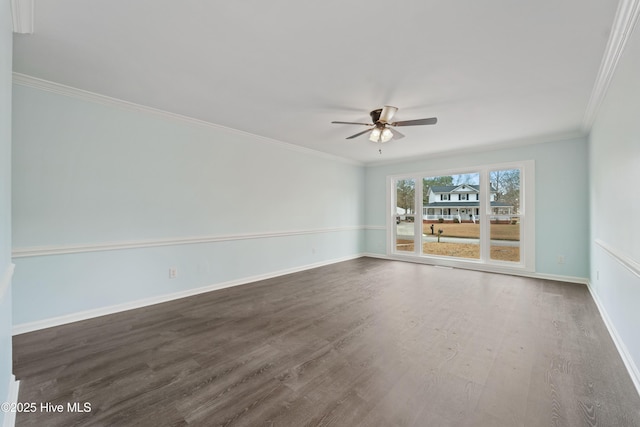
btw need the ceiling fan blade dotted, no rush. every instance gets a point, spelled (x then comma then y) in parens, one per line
(396, 134)
(359, 133)
(431, 121)
(352, 123)
(387, 113)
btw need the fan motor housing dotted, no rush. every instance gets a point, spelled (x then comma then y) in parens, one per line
(375, 115)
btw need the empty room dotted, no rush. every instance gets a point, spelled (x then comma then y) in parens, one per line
(422, 213)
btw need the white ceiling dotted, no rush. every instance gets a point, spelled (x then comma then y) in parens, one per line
(492, 71)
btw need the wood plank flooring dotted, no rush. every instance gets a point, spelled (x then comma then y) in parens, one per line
(366, 342)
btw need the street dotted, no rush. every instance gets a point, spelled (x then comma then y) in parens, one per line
(405, 231)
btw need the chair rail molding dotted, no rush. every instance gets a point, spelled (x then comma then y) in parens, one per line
(621, 258)
(111, 246)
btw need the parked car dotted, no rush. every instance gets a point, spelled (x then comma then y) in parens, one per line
(403, 218)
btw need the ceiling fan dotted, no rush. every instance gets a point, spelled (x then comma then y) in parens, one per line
(382, 128)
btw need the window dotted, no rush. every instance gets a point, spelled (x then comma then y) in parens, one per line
(405, 214)
(504, 216)
(493, 227)
(450, 231)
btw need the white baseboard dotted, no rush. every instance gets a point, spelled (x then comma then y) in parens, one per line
(558, 278)
(103, 311)
(632, 368)
(485, 268)
(10, 417)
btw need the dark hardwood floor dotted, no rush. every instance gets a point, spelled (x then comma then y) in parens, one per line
(361, 343)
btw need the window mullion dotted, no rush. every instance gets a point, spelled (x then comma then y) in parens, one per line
(417, 219)
(485, 204)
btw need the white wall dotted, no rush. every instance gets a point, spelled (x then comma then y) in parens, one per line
(562, 207)
(6, 40)
(615, 207)
(131, 193)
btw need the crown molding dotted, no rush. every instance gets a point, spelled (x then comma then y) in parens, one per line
(22, 12)
(503, 145)
(84, 95)
(623, 25)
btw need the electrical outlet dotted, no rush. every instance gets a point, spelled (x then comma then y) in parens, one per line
(173, 272)
(560, 259)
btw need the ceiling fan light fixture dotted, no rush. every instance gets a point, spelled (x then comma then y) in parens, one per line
(375, 135)
(386, 135)
(381, 134)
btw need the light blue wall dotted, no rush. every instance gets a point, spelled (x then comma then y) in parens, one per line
(85, 173)
(615, 205)
(562, 207)
(6, 41)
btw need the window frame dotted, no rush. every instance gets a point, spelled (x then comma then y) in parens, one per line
(526, 219)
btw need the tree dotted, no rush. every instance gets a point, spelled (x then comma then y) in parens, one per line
(507, 186)
(466, 178)
(434, 181)
(405, 194)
